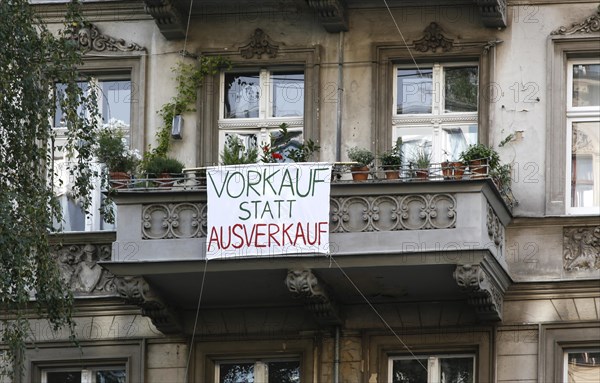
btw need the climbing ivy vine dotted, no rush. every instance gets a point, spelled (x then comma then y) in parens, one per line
(32, 61)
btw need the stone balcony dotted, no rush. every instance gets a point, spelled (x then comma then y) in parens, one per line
(437, 239)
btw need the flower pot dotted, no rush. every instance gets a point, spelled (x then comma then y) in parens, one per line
(458, 170)
(422, 174)
(165, 180)
(391, 172)
(447, 170)
(478, 168)
(360, 173)
(118, 180)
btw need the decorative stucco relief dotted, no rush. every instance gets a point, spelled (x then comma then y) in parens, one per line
(259, 44)
(168, 221)
(392, 212)
(434, 40)
(483, 294)
(581, 248)
(78, 266)
(89, 38)
(589, 25)
(495, 229)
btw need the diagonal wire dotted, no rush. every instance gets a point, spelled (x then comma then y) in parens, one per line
(377, 312)
(187, 365)
(402, 36)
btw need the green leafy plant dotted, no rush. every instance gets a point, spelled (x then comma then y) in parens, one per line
(189, 77)
(112, 149)
(278, 149)
(421, 157)
(235, 153)
(392, 159)
(364, 157)
(33, 61)
(155, 166)
(480, 152)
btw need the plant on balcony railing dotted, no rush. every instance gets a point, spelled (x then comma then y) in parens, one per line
(236, 153)
(283, 148)
(363, 158)
(391, 160)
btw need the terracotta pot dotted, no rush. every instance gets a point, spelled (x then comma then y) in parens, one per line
(458, 169)
(119, 180)
(478, 168)
(447, 170)
(422, 174)
(165, 180)
(392, 174)
(360, 173)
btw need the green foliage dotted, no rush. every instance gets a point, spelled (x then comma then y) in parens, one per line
(112, 149)
(363, 156)
(278, 149)
(481, 151)
(421, 158)
(33, 61)
(392, 158)
(235, 153)
(155, 166)
(189, 78)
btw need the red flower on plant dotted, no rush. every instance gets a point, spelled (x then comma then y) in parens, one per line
(277, 156)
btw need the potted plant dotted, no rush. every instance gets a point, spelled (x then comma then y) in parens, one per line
(164, 169)
(235, 153)
(112, 150)
(391, 161)
(363, 158)
(284, 148)
(481, 159)
(421, 160)
(452, 168)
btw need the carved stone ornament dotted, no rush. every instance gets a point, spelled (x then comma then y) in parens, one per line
(168, 221)
(392, 212)
(79, 269)
(493, 12)
(89, 38)
(495, 229)
(259, 44)
(589, 25)
(304, 284)
(581, 248)
(136, 290)
(167, 17)
(433, 40)
(333, 14)
(483, 294)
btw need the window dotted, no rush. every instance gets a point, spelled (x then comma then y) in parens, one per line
(430, 369)
(114, 95)
(264, 371)
(255, 102)
(582, 366)
(583, 137)
(436, 108)
(109, 374)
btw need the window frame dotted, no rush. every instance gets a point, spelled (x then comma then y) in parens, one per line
(209, 139)
(94, 366)
(431, 375)
(567, 351)
(562, 49)
(438, 118)
(388, 56)
(263, 369)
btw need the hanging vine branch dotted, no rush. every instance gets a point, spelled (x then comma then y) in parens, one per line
(33, 61)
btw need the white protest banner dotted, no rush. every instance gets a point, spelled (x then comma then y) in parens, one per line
(268, 209)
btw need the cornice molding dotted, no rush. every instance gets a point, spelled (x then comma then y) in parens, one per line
(553, 221)
(167, 17)
(553, 290)
(589, 25)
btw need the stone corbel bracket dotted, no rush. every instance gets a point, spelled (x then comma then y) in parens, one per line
(484, 293)
(303, 284)
(493, 13)
(167, 18)
(136, 290)
(333, 14)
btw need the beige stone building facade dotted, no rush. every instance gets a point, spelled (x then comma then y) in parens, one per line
(442, 280)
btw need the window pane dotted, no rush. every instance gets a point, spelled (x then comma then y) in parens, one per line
(456, 139)
(585, 164)
(284, 372)
(288, 94)
(456, 370)
(586, 84)
(242, 94)
(63, 377)
(60, 95)
(110, 376)
(116, 100)
(460, 86)
(236, 373)
(284, 145)
(409, 371)
(583, 367)
(414, 142)
(414, 91)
